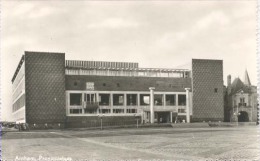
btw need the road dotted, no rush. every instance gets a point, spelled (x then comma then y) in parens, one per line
(235, 143)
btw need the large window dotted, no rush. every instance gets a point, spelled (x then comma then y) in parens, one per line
(131, 110)
(75, 111)
(131, 99)
(170, 99)
(158, 99)
(242, 102)
(118, 99)
(104, 99)
(181, 110)
(118, 110)
(75, 99)
(104, 111)
(90, 111)
(144, 99)
(90, 98)
(182, 99)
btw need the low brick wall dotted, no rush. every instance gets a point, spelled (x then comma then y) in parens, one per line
(94, 121)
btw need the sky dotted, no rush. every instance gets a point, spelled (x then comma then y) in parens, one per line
(158, 34)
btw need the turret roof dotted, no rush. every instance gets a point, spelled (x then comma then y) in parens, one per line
(247, 80)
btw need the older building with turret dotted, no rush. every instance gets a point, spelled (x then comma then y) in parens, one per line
(241, 100)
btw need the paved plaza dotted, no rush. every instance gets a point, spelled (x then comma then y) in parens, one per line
(233, 143)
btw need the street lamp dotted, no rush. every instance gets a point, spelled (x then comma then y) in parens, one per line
(100, 116)
(237, 114)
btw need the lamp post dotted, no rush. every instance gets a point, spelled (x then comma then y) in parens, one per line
(100, 116)
(237, 114)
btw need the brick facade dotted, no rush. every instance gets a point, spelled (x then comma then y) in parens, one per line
(113, 83)
(46, 84)
(45, 87)
(207, 85)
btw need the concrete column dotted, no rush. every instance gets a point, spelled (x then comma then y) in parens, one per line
(171, 117)
(164, 100)
(152, 104)
(111, 103)
(97, 101)
(187, 105)
(125, 104)
(138, 101)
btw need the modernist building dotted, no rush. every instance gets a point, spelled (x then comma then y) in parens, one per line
(49, 90)
(241, 100)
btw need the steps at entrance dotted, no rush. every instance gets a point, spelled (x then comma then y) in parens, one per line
(191, 125)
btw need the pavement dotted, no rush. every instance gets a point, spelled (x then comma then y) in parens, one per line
(220, 143)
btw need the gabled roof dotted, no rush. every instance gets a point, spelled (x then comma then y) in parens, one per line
(238, 85)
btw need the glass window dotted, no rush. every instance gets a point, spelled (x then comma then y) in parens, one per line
(75, 99)
(181, 110)
(104, 99)
(104, 111)
(144, 99)
(182, 99)
(90, 98)
(118, 110)
(131, 99)
(158, 99)
(131, 110)
(242, 102)
(170, 99)
(90, 111)
(75, 111)
(118, 99)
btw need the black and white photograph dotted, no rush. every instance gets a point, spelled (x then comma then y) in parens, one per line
(112, 80)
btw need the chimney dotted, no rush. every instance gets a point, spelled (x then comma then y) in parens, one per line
(229, 84)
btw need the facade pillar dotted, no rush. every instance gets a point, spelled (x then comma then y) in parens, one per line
(152, 104)
(125, 104)
(111, 103)
(171, 117)
(187, 105)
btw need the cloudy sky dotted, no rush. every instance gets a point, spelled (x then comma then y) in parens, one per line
(165, 34)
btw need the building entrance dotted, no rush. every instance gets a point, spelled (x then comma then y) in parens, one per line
(163, 117)
(243, 117)
(159, 117)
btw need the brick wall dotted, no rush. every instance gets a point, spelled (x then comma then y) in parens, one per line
(45, 87)
(207, 76)
(120, 83)
(95, 121)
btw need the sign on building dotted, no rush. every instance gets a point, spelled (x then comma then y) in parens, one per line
(90, 86)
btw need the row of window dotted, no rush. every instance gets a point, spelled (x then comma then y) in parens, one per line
(75, 63)
(126, 73)
(19, 103)
(18, 77)
(242, 102)
(108, 111)
(105, 99)
(101, 111)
